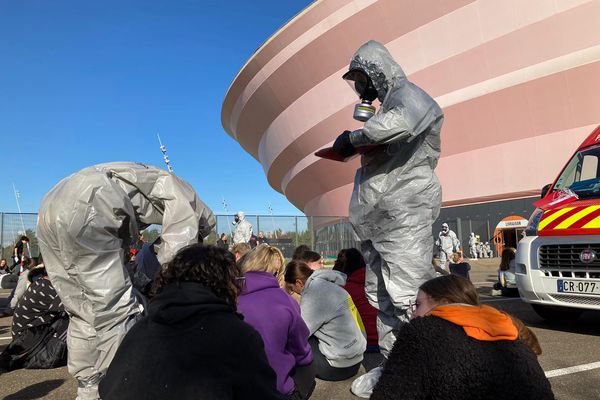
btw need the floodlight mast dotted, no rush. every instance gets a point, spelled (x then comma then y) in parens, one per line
(227, 215)
(273, 220)
(17, 195)
(163, 149)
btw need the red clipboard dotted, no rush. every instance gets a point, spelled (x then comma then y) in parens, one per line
(329, 154)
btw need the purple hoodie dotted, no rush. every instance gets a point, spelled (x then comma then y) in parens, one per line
(276, 316)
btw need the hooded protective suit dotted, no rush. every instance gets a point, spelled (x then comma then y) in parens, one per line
(473, 246)
(86, 225)
(447, 243)
(242, 230)
(487, 250)
(396, 195)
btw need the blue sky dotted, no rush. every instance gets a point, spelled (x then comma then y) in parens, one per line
(85, 82)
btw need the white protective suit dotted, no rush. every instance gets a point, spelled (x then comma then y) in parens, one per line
(473, 246)
(86, 225)
(487, 250)
(242, 230)
(396, 195)
(447, 243)
(480, 250)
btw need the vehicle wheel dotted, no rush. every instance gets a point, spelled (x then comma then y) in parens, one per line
(557, 314)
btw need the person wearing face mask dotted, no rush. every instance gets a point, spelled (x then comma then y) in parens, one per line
(242, 230)
(486, 353)
(396, 195)
(447, 244)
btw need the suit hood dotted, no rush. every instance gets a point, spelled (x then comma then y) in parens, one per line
(329, 275)
(180, 301)
(376, 61)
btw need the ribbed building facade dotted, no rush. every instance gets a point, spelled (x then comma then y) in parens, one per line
(519, 82)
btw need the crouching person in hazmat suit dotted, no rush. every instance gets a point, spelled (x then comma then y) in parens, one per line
(396, 194)
(85, 226)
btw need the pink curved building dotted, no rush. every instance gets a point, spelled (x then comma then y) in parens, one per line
(519, 82)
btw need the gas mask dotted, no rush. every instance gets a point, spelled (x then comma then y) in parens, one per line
(364, 88)
(236, 219)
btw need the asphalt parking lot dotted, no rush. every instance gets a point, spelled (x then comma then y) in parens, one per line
(571, 354)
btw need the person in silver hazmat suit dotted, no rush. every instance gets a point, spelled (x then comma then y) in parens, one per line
(447, 244)
(86, 224)
(243, 229)
(396, 195)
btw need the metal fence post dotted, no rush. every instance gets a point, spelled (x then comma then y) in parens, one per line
(312, 233)
(296, 225)
(459, 231)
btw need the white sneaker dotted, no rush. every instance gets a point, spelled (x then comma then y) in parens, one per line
(364, 384)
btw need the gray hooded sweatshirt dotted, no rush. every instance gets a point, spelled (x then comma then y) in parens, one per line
(333, 319)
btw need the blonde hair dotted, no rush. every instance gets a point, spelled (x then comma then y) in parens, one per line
(263, 258)
(241, 248)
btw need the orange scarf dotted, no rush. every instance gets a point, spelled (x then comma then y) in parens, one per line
(479, 322)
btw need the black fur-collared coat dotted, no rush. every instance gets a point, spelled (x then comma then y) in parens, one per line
(435, 359)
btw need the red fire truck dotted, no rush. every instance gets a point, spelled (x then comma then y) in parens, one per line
(558, 261)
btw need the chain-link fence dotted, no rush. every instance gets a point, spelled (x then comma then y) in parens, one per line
(12, 227)
(327, 235)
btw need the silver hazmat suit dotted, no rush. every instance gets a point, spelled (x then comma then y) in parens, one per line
(86, 224)
(396, 195)
(243, 229)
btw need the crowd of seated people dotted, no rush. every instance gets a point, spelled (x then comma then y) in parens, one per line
(227, 325)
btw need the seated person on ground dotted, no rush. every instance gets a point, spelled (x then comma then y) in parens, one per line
(337, 332)
(7, 280)
(312, 259)
(239, 249)
(455, 348)
(507, 280)
(39, 327)
(352, 263)
(4, 267)
(192, 344)
(22, 283)
(299, 250)
(276, 316)
(458, 265)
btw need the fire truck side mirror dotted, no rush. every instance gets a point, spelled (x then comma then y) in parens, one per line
(545, 190)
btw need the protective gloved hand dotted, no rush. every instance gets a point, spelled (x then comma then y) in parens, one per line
(343, 146)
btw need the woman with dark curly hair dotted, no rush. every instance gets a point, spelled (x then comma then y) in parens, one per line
(192, 343)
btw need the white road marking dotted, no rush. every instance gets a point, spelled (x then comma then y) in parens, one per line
(6, 338)
(572, 370)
